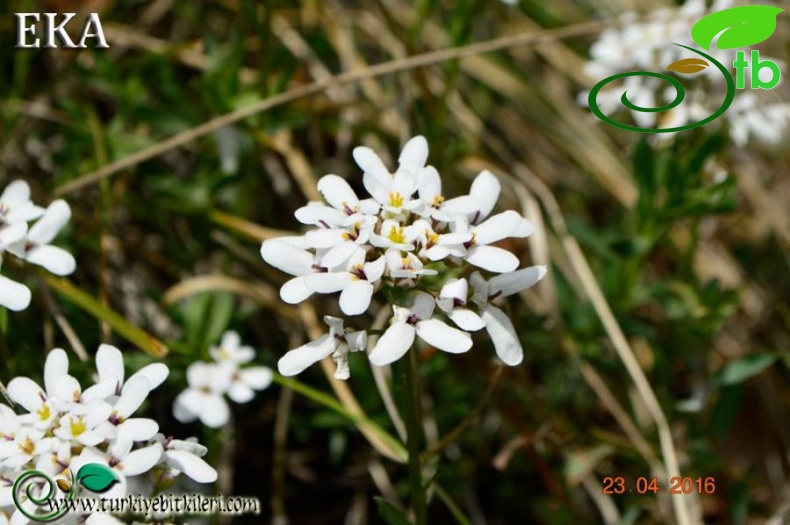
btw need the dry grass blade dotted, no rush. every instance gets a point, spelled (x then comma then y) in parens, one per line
(259, 292)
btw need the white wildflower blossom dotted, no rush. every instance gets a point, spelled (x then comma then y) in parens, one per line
(30, 243)
(409, 243)
(65, 427)
(209, 383)
(338, 342)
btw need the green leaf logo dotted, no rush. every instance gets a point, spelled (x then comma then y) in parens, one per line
(743, 26)
(96, 477)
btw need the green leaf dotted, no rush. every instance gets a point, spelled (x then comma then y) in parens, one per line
(739, 370)
(96, 477)
(743, 26)
(137, 336)
(390, 513)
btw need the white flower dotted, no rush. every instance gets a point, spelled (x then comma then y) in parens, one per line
(433, 202)
(28, 445)
(405, 266)
(393, 191)
(493, 229)
(109, 365)
(337, 343)
(125, 460)
(16, 206)
(186, 456)
(453, 302)
(356, 284)
(345, 208)
(499, 326)
(285, 255)
(203, 400)
(36, 248)
(416, 321)
(437, 246)
(340, 244)
(13, 295)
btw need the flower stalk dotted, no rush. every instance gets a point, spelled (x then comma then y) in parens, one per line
(410, 392)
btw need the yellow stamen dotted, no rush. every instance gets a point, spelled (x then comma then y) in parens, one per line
(437, 201)
(44, 413)
(396, 235)
(396, 199)
(77, 426)
(432, 238)
(28, 447)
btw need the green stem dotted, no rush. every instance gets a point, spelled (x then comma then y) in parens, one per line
(411, 401)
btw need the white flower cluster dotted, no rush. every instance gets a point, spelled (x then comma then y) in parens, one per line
(66, 427)
(417, 247)
(30, 244)
(649, 46)
(210, 382)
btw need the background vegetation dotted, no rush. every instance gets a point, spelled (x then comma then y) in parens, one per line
(667, 259)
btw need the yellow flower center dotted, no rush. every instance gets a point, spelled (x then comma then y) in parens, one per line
(437, 201)
(396, 235)
(28, 447)
(77, 426)
(432, 238)
(396, 199)
(406, 262)
(44, 412)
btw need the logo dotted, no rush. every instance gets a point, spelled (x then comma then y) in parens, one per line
(54, 31)
(40, 489)
(738, 27)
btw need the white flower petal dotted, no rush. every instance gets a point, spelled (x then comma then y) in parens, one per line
(137, 429)
(16, 194)
(423, 305)
(375, 269)
(443, 337)
(497, 227)
(503, 335)
(286, 257)
(133, 394)
(327, 282)
(55, 367)
(187, 405)
(464, 204)
(257, 377)
(141, 460)
(109, 364)
(155, 373)
(317, 213)
(414, 155)
(324, 238)
(466, 319)
(24, 213)
(355, 298)
(295, 291)
(24, 391)
(54, 259)
(240, 393)
(525, 229)
(492, 259)
(340, 253)
(215, 412)
(514, 282)
(296, 360)
(12, 234)
(47, 227)
(455, 289)
(393, 344)
(191, 465)
(429, 184)
(337, 192)
(13, 295)
(485, 188)
(369, 161)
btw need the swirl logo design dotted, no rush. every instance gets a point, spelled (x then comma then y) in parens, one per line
(34, 492)
(736, 27)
